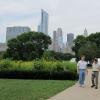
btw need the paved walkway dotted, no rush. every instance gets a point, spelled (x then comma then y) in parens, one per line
(79, 93)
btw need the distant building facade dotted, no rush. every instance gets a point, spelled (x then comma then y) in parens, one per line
(55, 41)
(13, 32)
(58, 44)
(43, 27)
(69, 43)
(3, 46)
(60, 40)
(70, 39)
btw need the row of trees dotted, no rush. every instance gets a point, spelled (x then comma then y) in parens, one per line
(89, 46)
(32, 45)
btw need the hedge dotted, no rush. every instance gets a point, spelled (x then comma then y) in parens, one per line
(45, 75)
(55, 70)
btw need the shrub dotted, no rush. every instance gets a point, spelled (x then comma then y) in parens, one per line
(55, 75)
(38, 65)
(5, 65)
(57, 66)
(69, 66)
(1, 54)
(38, 70)
(52, 55)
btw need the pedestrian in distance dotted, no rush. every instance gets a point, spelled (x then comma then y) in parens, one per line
(95, 73)
(81, 70)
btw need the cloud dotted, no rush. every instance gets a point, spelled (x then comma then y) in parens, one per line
(71, 15)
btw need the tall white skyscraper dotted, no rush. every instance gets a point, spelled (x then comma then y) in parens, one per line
(85, 32)
(13, 32)
(43, 27)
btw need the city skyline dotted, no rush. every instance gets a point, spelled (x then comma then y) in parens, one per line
(71, 16)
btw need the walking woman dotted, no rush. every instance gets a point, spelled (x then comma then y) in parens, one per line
(95, 73)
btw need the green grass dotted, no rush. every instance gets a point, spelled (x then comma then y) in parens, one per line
(31, 89)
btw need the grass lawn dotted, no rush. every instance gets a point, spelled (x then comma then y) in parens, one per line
(31, 89)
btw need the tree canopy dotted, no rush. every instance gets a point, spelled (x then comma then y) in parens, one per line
(88, 46)
(28, 46)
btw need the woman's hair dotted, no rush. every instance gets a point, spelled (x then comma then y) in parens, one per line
(96, 60)
(82, 56)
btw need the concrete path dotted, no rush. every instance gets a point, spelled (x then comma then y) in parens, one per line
(79, 93)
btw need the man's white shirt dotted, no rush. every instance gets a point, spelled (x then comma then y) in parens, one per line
(95, 67)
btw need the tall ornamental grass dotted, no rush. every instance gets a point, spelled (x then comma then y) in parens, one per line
(37, 65)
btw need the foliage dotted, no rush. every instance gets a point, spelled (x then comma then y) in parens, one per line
(38, 69)
(27, 46)
(89, 50)
(38, 65)
(88, 46)
(1, 54)
(5, 65)
(95, 38)
(52, 55)
(48, 55)
(79, 41)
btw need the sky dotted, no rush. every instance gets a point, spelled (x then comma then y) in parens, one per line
(73, 16)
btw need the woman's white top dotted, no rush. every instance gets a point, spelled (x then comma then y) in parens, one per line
(82, 64)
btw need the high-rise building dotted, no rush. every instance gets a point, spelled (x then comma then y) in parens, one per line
(13, 32)
(55, 41)
(85, 32)
(39, 28)
(43, 27)
(60, 39)
(3, 46)
(58, 44)
(70, 39)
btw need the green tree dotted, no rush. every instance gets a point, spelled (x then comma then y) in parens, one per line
(89, 49)
(78, 42)
(1, 54)
(48, 55)
(88, 46)
(95, 38)
(27, 46)
(51, 55)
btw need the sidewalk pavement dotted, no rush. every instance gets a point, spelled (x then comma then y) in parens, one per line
(78, 93)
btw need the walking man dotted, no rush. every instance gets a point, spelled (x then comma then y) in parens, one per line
(95, 73)
(81, 70)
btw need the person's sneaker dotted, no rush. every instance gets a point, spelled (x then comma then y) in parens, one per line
(96, 87)
(83, 86)
(80, 85)
(92, 86)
